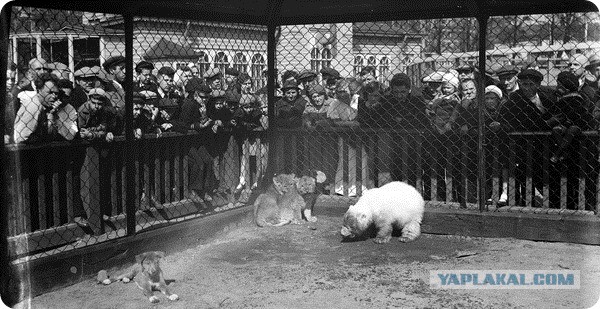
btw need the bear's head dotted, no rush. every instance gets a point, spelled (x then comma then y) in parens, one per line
(355, 223)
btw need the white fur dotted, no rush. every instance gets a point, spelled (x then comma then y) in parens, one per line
(394, 205)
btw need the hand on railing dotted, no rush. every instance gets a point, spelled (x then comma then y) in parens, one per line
(137, 133)
(495, 126)
(109, 137)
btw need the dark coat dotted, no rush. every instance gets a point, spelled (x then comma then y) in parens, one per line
(289, 114)
(520, 113)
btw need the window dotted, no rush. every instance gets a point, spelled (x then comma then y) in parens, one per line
(384, 70)
(315, 60)
(203, 63)
(258, 66)
(358, 65)
(221, 62)
(371, 61)
(240, 63)
(325, 58)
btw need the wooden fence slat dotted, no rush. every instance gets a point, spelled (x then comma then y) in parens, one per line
(546, 175)
(512, 185)
(529, 189)
(56, 205)
(70, 196)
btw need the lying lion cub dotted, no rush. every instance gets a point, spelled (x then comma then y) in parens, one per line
(147, 275)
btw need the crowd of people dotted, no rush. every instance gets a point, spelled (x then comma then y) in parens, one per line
(222, 107)
(444, 112)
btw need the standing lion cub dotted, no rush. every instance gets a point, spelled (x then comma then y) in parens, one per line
(394, 205)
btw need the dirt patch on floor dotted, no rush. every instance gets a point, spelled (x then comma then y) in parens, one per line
(308, 266)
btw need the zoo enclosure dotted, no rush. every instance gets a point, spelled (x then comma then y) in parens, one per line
(45, 180)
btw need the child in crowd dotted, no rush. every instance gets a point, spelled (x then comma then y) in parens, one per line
(289, 109)
(443, 108)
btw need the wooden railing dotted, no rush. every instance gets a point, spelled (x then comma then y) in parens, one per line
(46, 181)
(450, 175)
(50, 184)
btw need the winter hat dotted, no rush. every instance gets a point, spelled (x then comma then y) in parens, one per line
(451, 79)
(494, 89)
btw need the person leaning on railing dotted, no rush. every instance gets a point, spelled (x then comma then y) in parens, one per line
(97, 117)
(42, 117)
(194, 117)
(527, 110)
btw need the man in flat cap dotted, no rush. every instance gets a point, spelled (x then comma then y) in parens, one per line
(144, 77)
(465, 71)
(115, 66)
(194, 117)
(85, 80)
(307, 79)
(330, 73)
(507, 75)
(96, 117)
(527, 110)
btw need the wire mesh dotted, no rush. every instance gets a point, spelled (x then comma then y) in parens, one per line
(366, 103)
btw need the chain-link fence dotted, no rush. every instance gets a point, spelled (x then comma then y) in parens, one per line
(96, 156)
(198, 120)
(374, 102)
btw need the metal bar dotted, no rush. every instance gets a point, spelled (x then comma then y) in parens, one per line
(129, 138)
(482, 18)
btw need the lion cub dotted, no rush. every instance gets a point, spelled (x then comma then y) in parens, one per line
(147, 275)
(280, 204)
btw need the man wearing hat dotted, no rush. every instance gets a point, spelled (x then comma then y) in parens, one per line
(507, 75)
(115, 66)
(432, 83)
(96, 117)
(212, 77)
(465, 71)
(329, 73)
(168, 101)
(85, 80)
(527, 110)
(306, 79)
(194, 117)
(144, 81)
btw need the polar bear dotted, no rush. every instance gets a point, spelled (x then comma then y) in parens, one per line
(394, 205)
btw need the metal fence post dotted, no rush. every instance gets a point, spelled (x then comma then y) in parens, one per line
(482, 19)
(130, 194)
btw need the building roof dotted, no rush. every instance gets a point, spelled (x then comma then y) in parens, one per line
(387, 29)
(165, 49)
